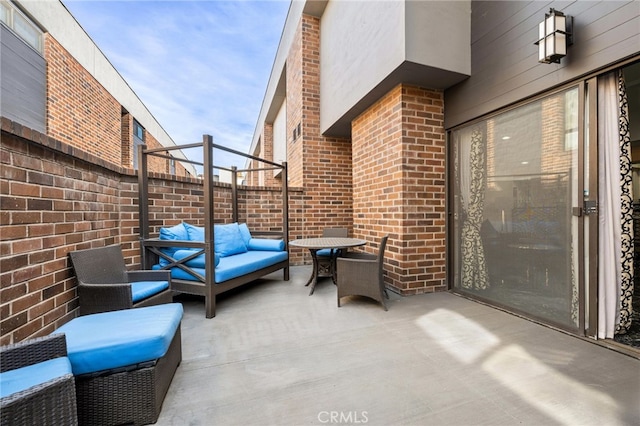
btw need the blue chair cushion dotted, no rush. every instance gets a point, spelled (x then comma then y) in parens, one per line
(228, 240)
(266, 244)
(324, 252)
(20, 379)
(140, 290)
(116, 339)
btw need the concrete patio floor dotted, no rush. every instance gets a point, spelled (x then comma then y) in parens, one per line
(274, 355)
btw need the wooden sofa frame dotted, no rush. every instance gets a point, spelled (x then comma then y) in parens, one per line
(150, 247)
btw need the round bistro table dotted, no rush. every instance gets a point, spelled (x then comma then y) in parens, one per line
(315, 244)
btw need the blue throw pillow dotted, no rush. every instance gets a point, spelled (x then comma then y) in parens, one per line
(228, 240)
(195, 233)
(177, 232)
(263, 244)
(246, 235)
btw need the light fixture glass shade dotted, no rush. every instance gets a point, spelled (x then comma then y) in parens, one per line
(552, 37)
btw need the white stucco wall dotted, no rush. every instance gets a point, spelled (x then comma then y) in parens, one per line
(438, 34)
(363, 42)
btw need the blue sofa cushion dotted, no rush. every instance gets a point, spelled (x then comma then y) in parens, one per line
(194, 233)
(140, 290)
(20, 379)
(177, 232)
(265, 244)
(196, 262)
(228, 240)
(115, 339)
(235, 266)
(246, 234)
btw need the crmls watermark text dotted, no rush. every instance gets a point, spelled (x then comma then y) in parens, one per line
(342, 417)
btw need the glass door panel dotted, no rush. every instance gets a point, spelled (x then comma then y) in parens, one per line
(514, 233)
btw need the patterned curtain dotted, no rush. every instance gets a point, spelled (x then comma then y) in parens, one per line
(474, 266)
(626, 284)
(615, 218)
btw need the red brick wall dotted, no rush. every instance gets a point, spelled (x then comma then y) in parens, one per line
(295, 148)
(57, 198)
(320, 165)
(399, 185)
(326, 162)
(81, 113)
(79, 110)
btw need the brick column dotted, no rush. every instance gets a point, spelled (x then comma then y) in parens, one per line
(399, 185)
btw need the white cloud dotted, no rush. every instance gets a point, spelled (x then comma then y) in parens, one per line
(199, 66)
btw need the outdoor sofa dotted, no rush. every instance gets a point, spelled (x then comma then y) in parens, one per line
(238, 257)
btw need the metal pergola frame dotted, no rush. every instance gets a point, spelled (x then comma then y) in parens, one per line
(150, 247)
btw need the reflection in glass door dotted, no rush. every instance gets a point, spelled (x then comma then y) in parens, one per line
(516, 180)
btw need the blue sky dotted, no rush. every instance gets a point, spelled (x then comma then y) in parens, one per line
(199, 66)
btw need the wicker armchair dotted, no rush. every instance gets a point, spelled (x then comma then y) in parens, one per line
(52, 402)
(104, 284)
(327, 257)
(361, 274)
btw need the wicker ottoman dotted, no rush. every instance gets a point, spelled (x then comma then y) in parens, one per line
(131, 390)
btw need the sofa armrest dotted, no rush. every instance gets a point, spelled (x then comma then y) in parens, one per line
(32, 351)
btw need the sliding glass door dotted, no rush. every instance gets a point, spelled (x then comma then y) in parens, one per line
(515, 182)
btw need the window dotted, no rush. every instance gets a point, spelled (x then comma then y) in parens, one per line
(571, 120)
(138, 131)
(21, 25)
(280, 135)
(138, 139)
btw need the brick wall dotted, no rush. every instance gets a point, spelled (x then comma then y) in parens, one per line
(399, 186)
(295, 147)
(79, 110)
(57, 198)
(322, 165)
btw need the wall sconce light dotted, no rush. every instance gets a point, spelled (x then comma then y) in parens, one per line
(555, 33)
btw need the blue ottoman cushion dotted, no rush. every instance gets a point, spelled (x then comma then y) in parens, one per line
(116, 339)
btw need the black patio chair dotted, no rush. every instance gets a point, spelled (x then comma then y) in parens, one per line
(104, 284)
(361, 274)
